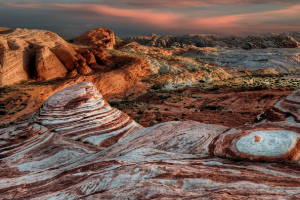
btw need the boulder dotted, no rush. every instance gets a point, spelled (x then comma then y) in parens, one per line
(102, 56)
(99, 37)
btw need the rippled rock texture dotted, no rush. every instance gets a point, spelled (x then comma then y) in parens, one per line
(186, 160)
(80, 113)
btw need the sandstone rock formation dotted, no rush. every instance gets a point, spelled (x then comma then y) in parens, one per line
(284, 40)
(53, 56)
(167, 161)
(286, 110)
(48, 66)
(16, 59)
(123, 78)
(99, 37)
(80, 112)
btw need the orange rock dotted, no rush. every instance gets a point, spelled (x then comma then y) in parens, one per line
(17, 56)
(47, 65)
(102, 56)
(100, 37)
(88, 56)
(73, 73)
(120, 80)
(82, 67)
(16, 59)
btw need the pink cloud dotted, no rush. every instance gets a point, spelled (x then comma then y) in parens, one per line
(111, 14)
(181, 22)
(197, 3)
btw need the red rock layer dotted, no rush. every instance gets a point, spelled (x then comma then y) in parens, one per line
(153, 163)
(267, 142)
(287, 110)
(168, 161)
(79, 112)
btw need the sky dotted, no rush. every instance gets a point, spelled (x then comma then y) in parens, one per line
(141, 17)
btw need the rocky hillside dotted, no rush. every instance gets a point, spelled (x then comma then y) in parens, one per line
(43, 55)
(262, 41)
(170, 160)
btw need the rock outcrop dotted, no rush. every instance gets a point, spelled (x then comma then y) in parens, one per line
(38, 54)
(269, 40)
(80, 113)
(99, 37)
(187, 160)
(44, 63)
(286, 110)
(16, 59)
(280, 60)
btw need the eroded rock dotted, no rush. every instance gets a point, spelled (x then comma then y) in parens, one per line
(268, 40)
(168, 160)
(54, 56)
(80, 112)
(16, 60)
(47, 65)
(99, 37)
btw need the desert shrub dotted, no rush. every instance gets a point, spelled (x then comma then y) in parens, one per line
(153, 121)
(157, 86)
(140, 112)
(3, 112)
(3, 126)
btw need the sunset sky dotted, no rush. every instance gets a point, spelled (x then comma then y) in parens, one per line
(140, 17)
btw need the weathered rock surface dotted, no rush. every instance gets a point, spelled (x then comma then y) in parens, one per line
(269, 40)
(286, 110)
(267, 142)
(16, 59)
(99, 37)
(280, 60)
(54, 56)
(44, 63)
(122, 79)
(164, 161)
(80, 113)
(167, 161)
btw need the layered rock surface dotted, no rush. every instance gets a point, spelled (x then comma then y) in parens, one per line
(167, 161)
(280, 60)
(80, 113)
(26, 53)
(16, 59)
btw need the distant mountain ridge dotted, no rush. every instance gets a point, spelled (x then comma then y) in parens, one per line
(267, 40)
